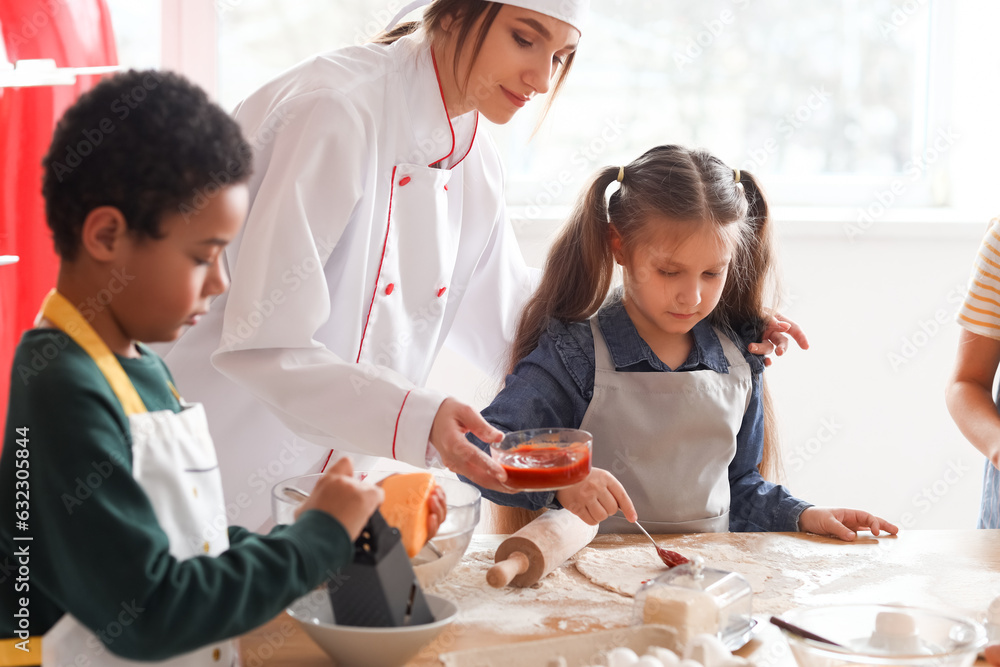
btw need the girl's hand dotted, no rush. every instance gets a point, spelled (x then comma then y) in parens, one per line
(842, 523)
(992, 654)
(775, 337)
(597, 497)
(453, 420)
(348, 500)
(438, 511)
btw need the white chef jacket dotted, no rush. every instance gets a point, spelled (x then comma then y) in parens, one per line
(357, 262)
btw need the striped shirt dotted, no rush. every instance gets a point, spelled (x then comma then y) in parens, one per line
(980, 314)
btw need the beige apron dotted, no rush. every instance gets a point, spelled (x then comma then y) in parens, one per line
(669, 439)
(173, 460)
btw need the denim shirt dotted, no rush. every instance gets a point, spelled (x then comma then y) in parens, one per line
(553, 386)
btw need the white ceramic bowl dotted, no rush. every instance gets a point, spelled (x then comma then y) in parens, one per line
(945, 640)
(353, 646)
(432, 563)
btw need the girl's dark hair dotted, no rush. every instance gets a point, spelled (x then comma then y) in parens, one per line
(668, 185)
(465, 14)
(149, 143)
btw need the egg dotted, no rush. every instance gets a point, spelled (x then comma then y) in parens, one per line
(708, 650)
(622, 657)
(648, 661)
(667, 657)
(735, 661)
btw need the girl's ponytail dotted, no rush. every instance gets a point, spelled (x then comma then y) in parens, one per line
(753, 295)
(578, 271)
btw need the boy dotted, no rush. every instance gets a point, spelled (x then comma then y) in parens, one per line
(113, 537)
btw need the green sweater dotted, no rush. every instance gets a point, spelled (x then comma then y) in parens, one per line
(97, 550)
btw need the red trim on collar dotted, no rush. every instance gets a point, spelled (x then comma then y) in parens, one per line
(445, 105)
(474, 130)
(396, 430)
(448, 116)
(385, 242)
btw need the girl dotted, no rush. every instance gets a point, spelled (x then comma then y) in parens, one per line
(376, 233)
(659, 376)
(969, 393)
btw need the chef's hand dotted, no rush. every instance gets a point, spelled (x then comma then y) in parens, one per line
(842, 523)
(597, 497)
(992, 654)
(453, 420)
(348, 500)
(775, 337)
(438, 511)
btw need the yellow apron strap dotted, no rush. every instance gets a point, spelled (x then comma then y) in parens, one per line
(12, 656)
(65, 316)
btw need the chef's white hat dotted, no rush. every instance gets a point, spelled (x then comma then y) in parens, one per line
(573, 12)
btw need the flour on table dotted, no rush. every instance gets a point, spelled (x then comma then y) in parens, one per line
(623, 569)
(564, 601)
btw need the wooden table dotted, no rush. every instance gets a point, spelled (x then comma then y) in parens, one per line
(956, 571)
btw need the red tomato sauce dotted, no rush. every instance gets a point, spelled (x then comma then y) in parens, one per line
(531, 467)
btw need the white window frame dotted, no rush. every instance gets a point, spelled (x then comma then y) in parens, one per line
(189, 43)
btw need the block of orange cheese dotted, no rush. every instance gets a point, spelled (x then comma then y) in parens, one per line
(406, 507)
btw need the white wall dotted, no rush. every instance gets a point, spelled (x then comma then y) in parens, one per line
(862, 414)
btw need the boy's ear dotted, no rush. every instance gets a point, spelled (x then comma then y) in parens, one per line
(615, 241)
(104, 231)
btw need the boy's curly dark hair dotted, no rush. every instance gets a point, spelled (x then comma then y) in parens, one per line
(148, 143)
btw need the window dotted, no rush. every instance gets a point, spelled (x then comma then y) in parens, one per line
(849, 103)
(258, 39)
(826, 101)
(137, 32)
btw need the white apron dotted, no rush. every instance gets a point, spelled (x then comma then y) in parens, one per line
(173, 460)
(669, 439)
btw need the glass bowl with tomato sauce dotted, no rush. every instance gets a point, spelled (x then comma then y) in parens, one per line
(544, 459)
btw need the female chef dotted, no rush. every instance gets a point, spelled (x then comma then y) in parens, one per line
(376, 233)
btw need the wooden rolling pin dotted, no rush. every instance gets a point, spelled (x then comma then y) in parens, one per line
(538, 548)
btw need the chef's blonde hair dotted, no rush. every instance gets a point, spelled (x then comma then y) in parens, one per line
(464, 14)
(681, 188)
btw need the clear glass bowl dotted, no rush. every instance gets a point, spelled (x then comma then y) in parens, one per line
(446, 548)
(544, 459)
(941, 640)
